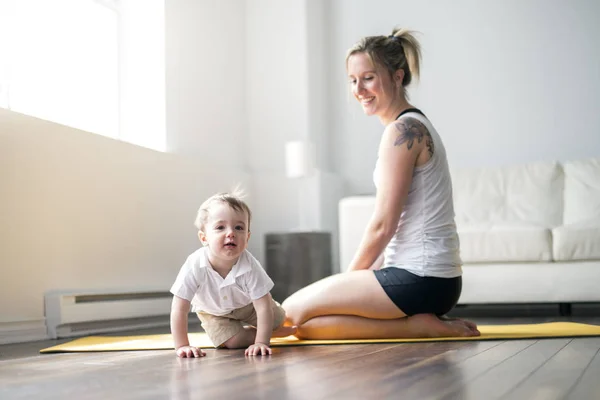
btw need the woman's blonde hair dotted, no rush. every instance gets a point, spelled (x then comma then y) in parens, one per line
(233, 199)
(400, 50)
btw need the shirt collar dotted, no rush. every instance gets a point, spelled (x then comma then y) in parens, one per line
(241, 267)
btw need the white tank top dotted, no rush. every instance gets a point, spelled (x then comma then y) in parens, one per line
(426, 242)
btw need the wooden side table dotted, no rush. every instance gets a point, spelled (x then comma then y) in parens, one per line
(297, 259)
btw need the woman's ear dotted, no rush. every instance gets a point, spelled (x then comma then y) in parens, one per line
(399, 77)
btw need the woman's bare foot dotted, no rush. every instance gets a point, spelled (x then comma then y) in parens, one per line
(429, 325)
(471, 325)
(284, 331)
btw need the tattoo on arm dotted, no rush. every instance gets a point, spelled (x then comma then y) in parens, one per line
(412, 130)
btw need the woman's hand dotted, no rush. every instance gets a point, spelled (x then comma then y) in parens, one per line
(258, 349)
(190, 352)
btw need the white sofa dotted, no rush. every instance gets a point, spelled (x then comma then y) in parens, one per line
(528, 233)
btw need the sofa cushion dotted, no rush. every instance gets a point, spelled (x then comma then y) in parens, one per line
(530, 193)
(504, 243)
(582, 190)
(578, 241)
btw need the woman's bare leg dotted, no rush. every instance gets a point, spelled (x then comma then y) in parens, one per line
(333, 307)
(353, 327)
(350, 293)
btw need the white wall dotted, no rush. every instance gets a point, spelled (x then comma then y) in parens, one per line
(82, 211)
(286, 100)
(205, 80)
(277, 80)
(503, 81)
(277, 109)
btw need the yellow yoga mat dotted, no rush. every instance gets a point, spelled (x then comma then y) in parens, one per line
(165, 341)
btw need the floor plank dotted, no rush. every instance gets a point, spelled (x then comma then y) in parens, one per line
(452, 379)
(312, 372)
(588, 387)
(436, 375)
(362, 377)
(496, 381)
(556, 377)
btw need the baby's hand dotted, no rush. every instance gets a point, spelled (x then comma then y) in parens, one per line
(258, 349)
(190, 352)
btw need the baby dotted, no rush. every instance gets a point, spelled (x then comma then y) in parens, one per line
(225, 285)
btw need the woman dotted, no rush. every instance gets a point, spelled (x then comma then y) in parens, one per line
(412, 225)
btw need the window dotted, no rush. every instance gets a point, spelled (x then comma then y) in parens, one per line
(87, 64)
(59, 61)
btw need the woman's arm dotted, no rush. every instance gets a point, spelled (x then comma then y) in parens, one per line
(378, 263)
(400, 146)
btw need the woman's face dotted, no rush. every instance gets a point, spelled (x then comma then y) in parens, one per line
(371, 85)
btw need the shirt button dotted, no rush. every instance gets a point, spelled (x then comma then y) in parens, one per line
(224, 297)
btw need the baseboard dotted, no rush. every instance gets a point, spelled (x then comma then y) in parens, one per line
(128, 326)
(111, 326)
(23, 331)
(577, 309)
(36, 330)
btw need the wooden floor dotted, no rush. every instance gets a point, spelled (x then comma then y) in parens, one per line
(516, 369)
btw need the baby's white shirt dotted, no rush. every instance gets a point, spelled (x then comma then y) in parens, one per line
(208, 292)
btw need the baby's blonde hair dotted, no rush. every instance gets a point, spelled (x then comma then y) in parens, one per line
(233, 199)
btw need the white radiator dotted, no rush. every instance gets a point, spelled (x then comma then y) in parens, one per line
(84, 312)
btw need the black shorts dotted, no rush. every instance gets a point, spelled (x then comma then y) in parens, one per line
(415, 294)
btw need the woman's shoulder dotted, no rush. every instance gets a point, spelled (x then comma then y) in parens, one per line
(407, 130)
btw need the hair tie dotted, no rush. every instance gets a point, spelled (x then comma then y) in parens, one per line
(396, 39)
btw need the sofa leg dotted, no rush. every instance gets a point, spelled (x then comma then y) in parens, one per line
(564, 309)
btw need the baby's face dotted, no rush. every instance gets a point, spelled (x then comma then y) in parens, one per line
(226, 231)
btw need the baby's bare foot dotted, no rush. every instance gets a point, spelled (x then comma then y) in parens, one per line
(284, 331)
